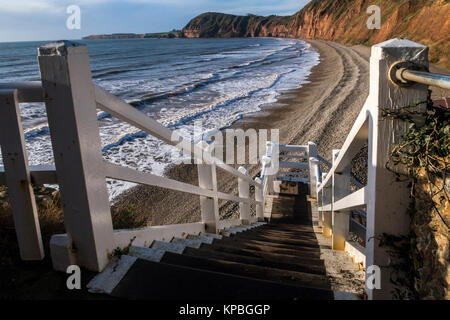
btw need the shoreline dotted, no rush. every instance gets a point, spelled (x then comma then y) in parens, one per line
(323, 110)
(292, 113)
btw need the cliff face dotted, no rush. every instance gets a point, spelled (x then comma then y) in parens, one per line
(220, 25)
(424, 21)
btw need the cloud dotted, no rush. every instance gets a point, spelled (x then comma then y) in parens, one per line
(44, 6)
(235, 6)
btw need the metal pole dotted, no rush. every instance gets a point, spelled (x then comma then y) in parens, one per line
(431, 79)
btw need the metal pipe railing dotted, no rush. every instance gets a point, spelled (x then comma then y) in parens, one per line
(431, 79)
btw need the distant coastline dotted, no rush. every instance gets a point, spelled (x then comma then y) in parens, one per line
(169, 35)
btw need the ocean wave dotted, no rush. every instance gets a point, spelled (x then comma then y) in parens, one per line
(177, 93)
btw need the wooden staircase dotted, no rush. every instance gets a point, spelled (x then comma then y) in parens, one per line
(275, 260)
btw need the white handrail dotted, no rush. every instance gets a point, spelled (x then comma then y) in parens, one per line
(355, 140)
(125, 112)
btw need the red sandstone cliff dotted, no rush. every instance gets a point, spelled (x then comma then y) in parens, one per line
(424, 21)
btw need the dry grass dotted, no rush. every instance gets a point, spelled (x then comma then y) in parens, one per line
(37, 279)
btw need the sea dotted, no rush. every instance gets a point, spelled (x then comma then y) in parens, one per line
(175, 81)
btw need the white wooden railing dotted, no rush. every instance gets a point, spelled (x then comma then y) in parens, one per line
(384, 201)
(71, 100)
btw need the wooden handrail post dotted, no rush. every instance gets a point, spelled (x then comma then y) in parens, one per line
(313, 168)
(341, 219)
(207, 179)
(327, 216)
(244, 192)
(388, 196)
(71, 110)
(259, 197)
(18, 178)
(270, 173)
(314, 172)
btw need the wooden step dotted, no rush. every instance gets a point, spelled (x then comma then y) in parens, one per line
(160, 281)
(284, 258)
(280, 238)
(263, 248)
(305, 233)
(251, 241)
(308, 229)
(301, 266)
(248, 270)
(260, 253)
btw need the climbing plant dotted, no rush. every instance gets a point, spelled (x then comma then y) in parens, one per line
(424, 151)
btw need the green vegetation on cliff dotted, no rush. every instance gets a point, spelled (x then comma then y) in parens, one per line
(170, 34)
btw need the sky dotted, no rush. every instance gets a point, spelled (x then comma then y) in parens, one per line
(29, 20)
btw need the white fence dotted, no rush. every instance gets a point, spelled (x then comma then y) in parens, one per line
(385, 199)
(71, 100)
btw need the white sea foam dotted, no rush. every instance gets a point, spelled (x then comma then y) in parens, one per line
(217, 89)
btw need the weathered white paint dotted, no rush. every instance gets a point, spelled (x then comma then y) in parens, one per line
(29, 91)
(314, 172)
(224, 224)
(203, 238)
(106, 281)
(313, 169)
(148, 254)
(355, 141)
(259, 197)
(128, 174)
(327, 208)
(144, 237)
(18, 178)
(211, 235)
(353, 201)
(356, 252)
(61, 252)
(209, 206)
(244, 192)
(388, 198)
(169, 247)
(43, 174)
(341, 218)
(71, 111)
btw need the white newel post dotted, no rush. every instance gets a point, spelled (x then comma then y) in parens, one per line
(327, 215)
(314, 172)
(271, 173)
(18, 178)
(341, 219)
(71, 110)
(244, 192)
(259, 197)
(319, 204)
(207, 179)
(313, 168)
(388, 200)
